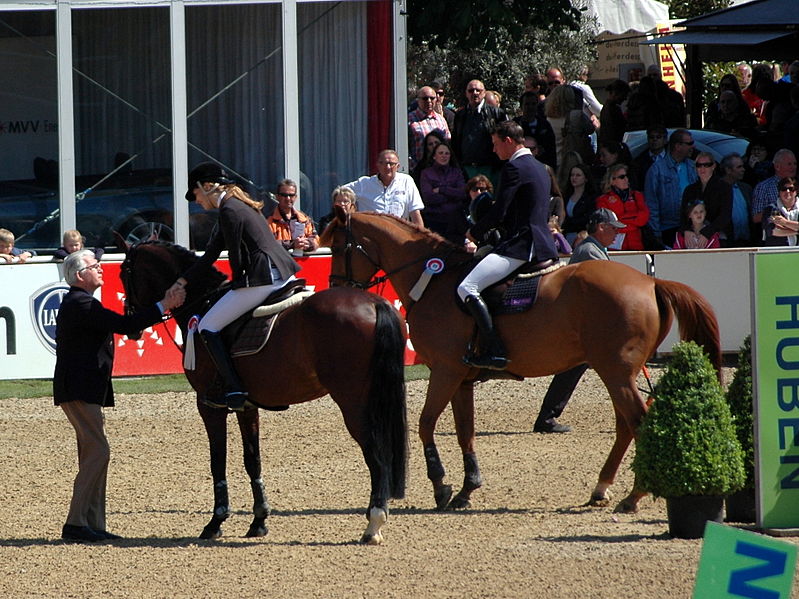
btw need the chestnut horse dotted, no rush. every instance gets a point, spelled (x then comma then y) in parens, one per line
(603, 313)
(344, 342)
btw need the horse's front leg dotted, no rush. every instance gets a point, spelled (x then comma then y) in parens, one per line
(463, 412)
(249, 425)
(440, 390)
(215, 421)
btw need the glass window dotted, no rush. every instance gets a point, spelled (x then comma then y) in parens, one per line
(235, 93)
(123, 144)
(333, 91)
(29, 128)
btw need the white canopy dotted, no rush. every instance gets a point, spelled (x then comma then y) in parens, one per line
(620, 16)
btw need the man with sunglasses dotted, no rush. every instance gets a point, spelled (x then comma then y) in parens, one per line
(82, 384)
(422, 121)
(665, 183)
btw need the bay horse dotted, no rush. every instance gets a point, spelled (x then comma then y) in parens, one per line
(344, 342)
(602, 313)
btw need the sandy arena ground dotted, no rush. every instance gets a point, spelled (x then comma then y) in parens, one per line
(527, 534)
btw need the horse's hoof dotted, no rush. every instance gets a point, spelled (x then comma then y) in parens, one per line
(626, 506)
(257, 531)
(211, 532)
(375, 539)
(442, 496)
(599, 501)
(459, 503)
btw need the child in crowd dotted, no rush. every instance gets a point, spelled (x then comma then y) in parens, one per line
(563, 247)
(8, 253)
(691, 238)
(73, 241)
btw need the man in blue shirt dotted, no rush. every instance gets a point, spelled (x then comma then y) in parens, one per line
(666, 179)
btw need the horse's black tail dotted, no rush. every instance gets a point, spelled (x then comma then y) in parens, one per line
(387, 442)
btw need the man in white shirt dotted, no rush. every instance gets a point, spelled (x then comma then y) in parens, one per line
(389, 191)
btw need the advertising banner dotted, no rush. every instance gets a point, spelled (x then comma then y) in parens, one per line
(31, 296)
(775, 361)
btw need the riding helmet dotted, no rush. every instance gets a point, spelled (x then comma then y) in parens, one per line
(206, 172)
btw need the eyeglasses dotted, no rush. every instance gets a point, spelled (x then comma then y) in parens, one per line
(287, 195)
(686, 143)
(428, 98)
(389, 163)
(440, 93)
(95, 266)
(789, 188)
(704, 164)
(622, 176)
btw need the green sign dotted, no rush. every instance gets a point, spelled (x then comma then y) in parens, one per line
(775, 355)
(736, 563)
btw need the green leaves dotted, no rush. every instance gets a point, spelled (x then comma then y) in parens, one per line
(739, 398)
(687, 443)
(481, 24)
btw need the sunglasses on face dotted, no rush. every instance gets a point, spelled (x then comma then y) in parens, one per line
(481, 189)
(622, 176)
(704, 164)
(287, 195)
(787, 188)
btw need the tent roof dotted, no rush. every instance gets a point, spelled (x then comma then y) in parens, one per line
(620, 16)
(757, 14)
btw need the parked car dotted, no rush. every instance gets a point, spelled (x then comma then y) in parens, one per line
(718, 144)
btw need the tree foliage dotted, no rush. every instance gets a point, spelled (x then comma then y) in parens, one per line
(503, 67)
(687, 9)
(483, 24)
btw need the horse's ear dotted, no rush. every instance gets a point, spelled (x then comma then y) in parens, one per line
(122, 245)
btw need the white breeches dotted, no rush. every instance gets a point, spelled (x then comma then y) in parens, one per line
(238, 301)
(491, 269)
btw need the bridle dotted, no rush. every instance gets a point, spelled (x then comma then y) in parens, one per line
(351, 247)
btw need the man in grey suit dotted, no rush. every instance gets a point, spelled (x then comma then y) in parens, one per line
(603, 226)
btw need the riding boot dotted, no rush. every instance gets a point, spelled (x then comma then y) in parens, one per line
(235, 396)
(492, 351)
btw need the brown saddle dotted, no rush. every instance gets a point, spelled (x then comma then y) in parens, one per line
(249, 334)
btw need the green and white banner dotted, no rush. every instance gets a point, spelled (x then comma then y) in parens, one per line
(775, 355)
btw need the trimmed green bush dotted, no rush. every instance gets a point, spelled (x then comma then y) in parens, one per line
(687, 443)
(739, 398)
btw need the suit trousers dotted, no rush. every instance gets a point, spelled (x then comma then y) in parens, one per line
(558, 395)
(87, 507)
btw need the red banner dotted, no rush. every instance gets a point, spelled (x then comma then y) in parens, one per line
(157, 351)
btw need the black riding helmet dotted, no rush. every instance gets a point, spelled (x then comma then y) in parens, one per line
(206, 172)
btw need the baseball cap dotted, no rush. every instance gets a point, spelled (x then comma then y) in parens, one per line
(206, 172)
(604, 215)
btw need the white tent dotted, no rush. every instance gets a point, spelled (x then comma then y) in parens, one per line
(620, 16)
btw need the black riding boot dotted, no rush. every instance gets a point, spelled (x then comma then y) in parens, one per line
(492, 350)
(235, 396)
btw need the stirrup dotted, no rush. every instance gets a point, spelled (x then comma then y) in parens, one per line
(236, 400)
(487, 362)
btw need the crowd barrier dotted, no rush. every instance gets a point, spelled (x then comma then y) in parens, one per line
(31, 294)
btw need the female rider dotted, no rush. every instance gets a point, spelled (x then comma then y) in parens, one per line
(259, 263)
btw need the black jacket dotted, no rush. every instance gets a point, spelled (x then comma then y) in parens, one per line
(245, 234)
(521, 211)
(85, 346)
(489, 117)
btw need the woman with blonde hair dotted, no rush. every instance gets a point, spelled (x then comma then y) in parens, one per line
(259, 263)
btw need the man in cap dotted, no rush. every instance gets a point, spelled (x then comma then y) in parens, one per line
(603, 226)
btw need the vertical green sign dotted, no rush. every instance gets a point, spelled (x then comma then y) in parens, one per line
(737, 563)
(775, 348)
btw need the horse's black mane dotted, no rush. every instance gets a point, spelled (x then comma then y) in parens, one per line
(185, 258)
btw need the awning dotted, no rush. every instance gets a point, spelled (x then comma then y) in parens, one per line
(719, 38)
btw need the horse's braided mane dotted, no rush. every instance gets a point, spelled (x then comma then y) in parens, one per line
(427, 233)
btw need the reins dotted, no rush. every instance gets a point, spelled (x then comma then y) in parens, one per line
(351, 246)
